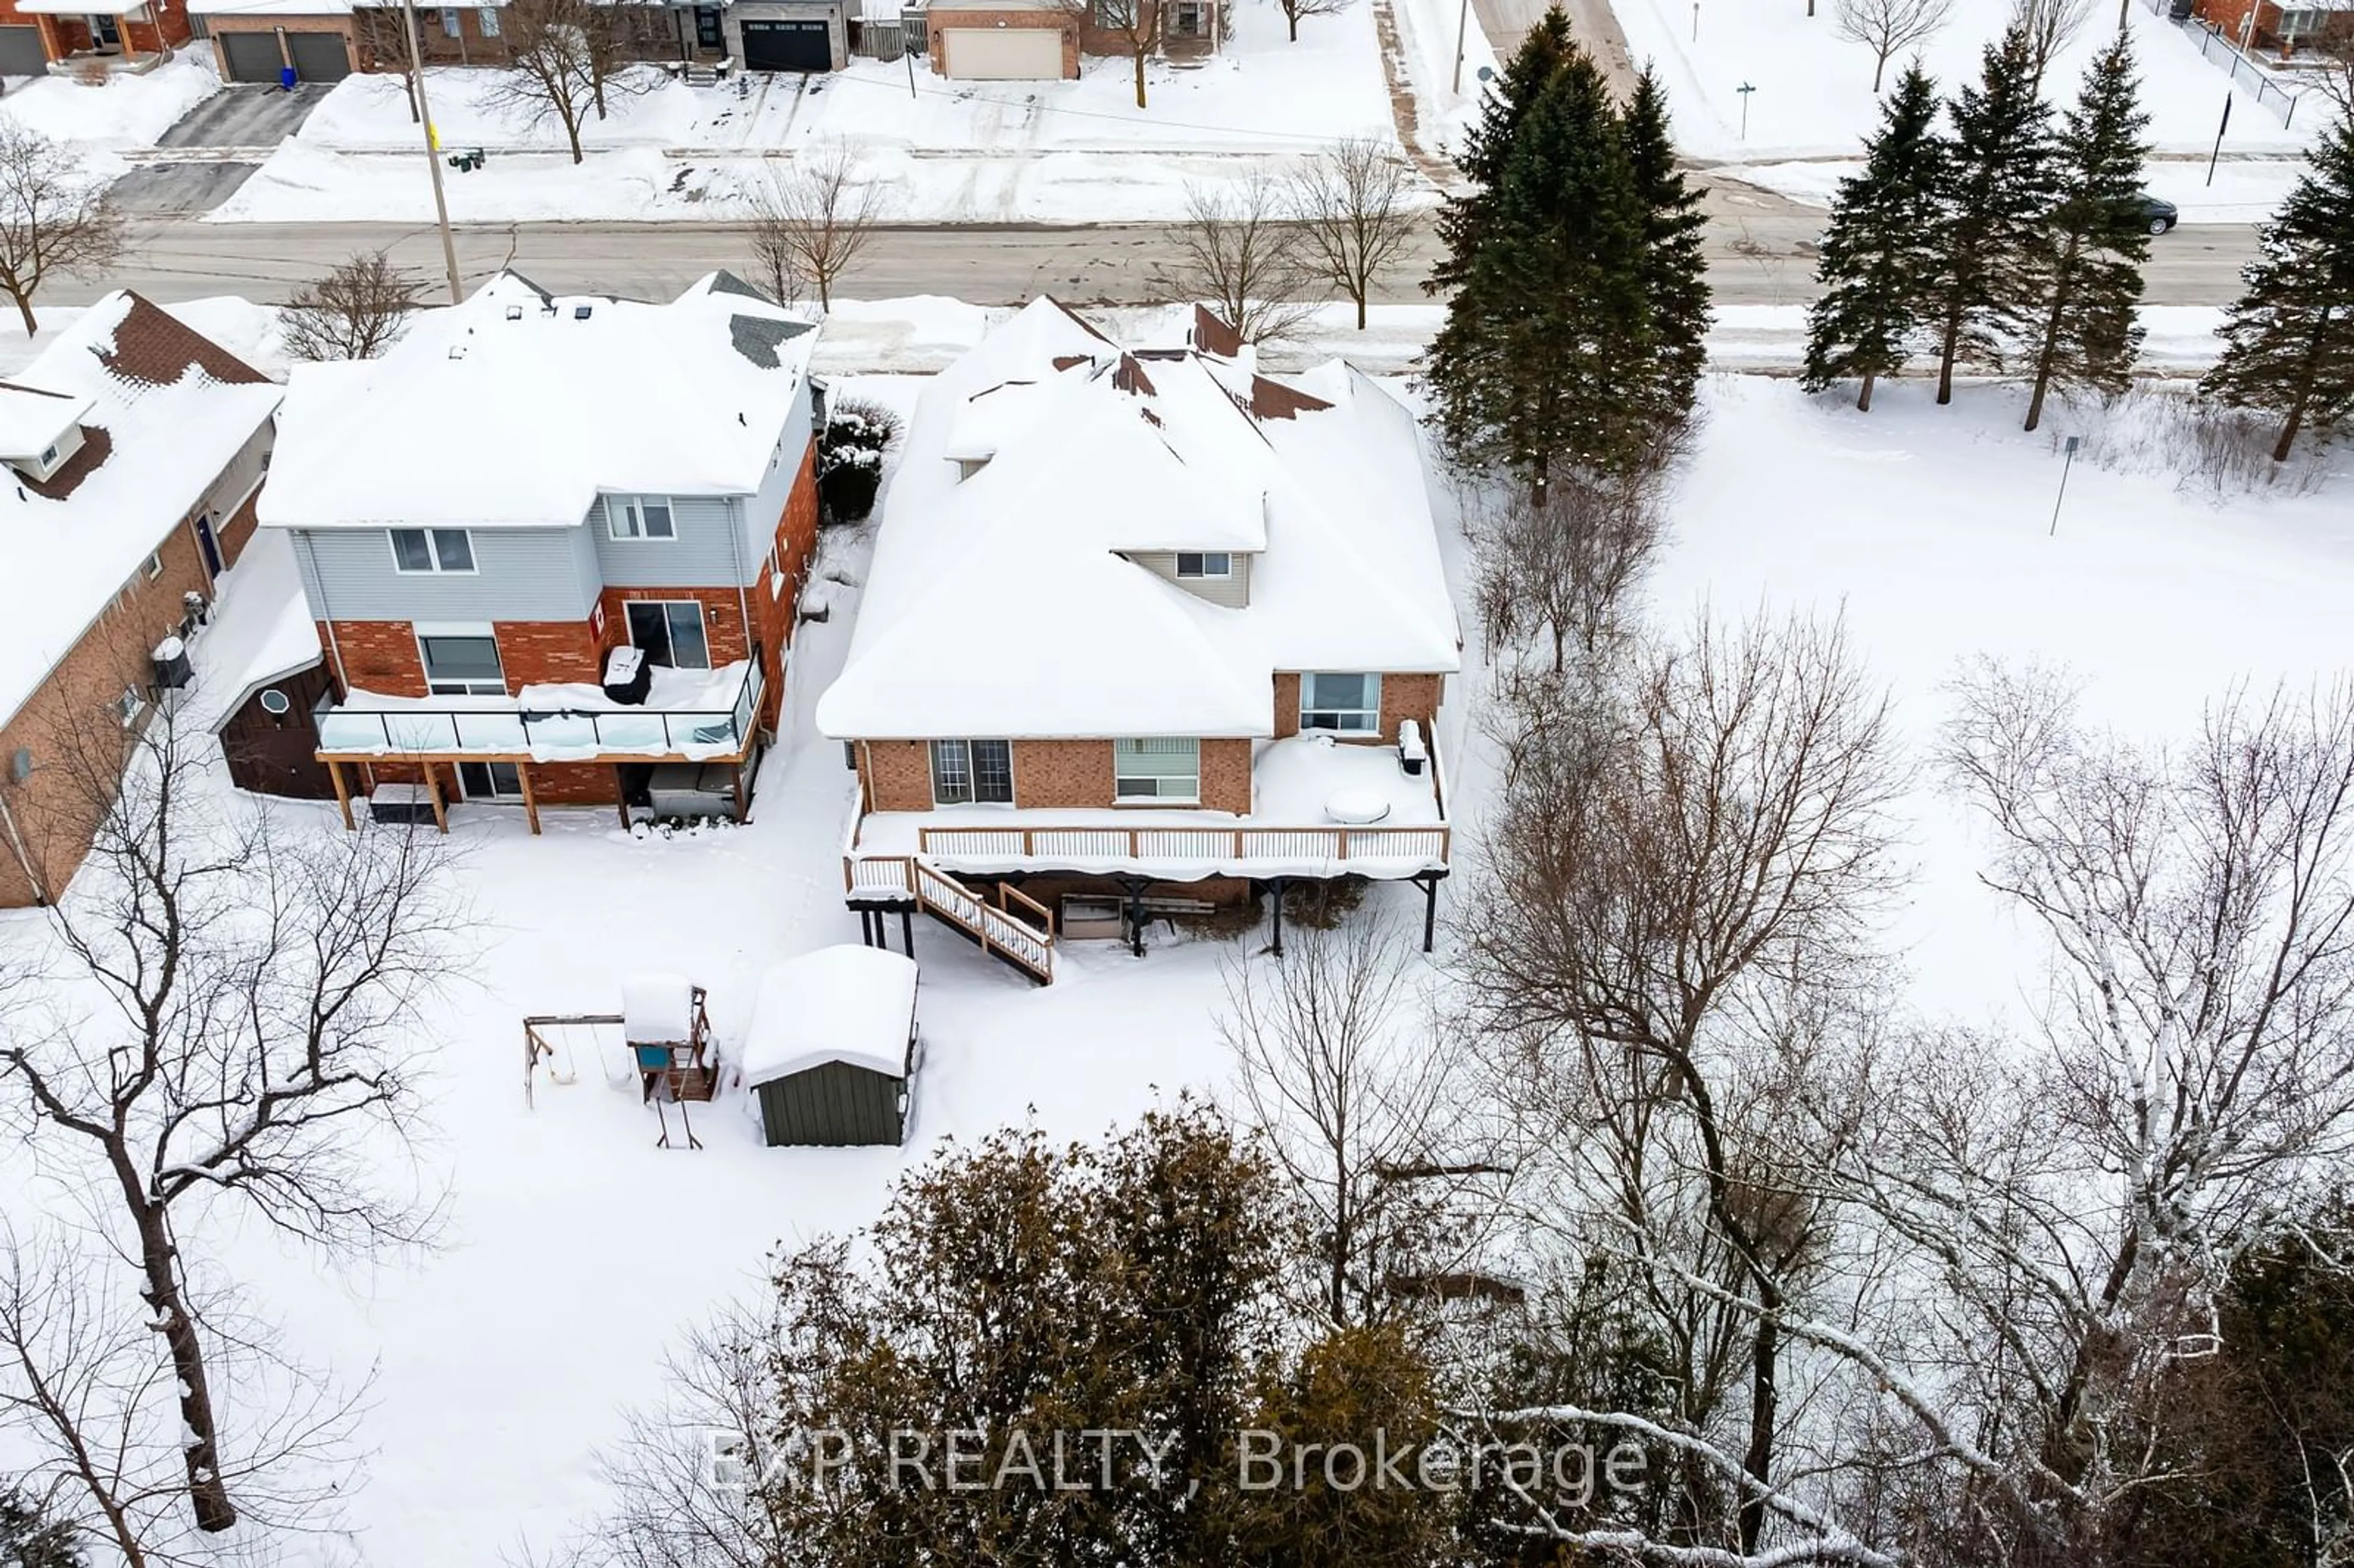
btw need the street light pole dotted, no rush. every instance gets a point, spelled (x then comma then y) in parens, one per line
(432, 154)
(2066, 464)
(1462, 32)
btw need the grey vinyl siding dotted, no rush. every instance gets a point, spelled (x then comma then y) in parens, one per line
(707, 551)
(520, 574)
(238, 480)
(833, 1104)
(763, 511)
(1233, 592)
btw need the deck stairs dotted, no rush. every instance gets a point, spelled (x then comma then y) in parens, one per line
(1016, 928)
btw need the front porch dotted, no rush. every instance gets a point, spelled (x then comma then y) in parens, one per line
(92, 39)
(694, 735)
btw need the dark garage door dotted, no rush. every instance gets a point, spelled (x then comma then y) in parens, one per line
(319, 57)
(20, 52)
(252, 57)
(787, 46)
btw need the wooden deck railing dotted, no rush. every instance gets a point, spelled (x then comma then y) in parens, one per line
(1238, 845)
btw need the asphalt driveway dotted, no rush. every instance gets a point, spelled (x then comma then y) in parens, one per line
(246, 116)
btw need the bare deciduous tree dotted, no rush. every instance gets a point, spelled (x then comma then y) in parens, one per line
(1355, 1105)
(1137, 24)
(1561, 567)
(1889, 27)
(812, 223)
(87, 1399)
(2048, 26)
(248, 1042)
(566, 59)
(1237, 249)
(1350, 203)
(357, 312)
(54, 216)
(1295, 9)
(1679, 890)
(383, 33)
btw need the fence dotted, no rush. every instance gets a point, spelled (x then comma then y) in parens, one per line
(2218, 48)
(893, 37)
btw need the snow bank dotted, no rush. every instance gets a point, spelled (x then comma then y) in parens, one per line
(127, 110)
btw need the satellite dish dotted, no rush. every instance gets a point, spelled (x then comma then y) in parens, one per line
(273, 700)
(20, 766)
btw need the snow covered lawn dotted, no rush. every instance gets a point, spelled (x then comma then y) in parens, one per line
(1814, 96)
(1930, 530)
(2245, 190)
(949, 150)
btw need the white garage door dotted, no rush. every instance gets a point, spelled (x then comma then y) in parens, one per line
(1005, 54)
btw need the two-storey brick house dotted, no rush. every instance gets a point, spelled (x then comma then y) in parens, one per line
(134, 446)
(525, 483)
(1146, 623)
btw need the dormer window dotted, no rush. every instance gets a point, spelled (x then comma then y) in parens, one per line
(1199, 564)
(49, 455)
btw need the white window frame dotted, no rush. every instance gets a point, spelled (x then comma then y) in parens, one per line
(1359, 720)
(450, 21)
(487, 18)
(702, 621)
(154, 565)
(466, 686)
(433, 541)
(1202, 560)
(625, 518)
(1125, 791)
(130, 705)
(934, 750)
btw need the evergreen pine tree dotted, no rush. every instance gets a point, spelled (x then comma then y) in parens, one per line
(1674, 272)
(1880, 250)
(2289, 340)
(1999, 186)
(1541, 358)
(1540, 54)
(30, 1538)
(2096, 239)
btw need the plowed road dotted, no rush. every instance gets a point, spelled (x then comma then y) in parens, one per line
(1761, 252)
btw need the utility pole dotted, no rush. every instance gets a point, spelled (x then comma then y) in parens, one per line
(432, 154)
(1462, 27)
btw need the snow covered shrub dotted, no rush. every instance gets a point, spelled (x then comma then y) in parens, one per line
(2164, 427)
(850, 458)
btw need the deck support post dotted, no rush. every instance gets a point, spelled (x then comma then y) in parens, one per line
(1430, 910)
(530, 801)
(1134, 887)
(343, 792)
(906, 930)
(1278, 886)
(433, 793)
(743, 802)
(622, 796)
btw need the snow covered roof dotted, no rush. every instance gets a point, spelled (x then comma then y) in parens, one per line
(846, 1003)
(1093, 455)
(265, 7)
(534, 403)
(262, 629)
(657, 1009)
(163, 410)
(31, 420)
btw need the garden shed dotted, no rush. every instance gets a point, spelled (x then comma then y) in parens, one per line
(831, 1048)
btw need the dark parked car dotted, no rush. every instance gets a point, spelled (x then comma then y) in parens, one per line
(2160, 216)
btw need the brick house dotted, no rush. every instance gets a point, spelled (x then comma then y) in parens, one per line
(254, 40)
(1030, 40)
(2283, 28)
(1241, 680)
(76, 35)
(136, 446)
(585, 475)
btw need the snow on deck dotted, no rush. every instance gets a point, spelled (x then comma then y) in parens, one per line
(1290, 831)
(700, 714)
